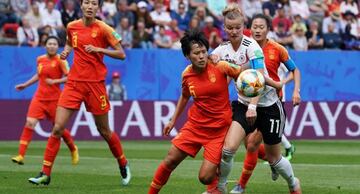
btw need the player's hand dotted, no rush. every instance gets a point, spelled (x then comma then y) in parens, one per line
(251, 116)
(92, 49)
(64, 54)
(20, 87)
(49, 81)
(214, 58)
(168, 128)
(296, 98)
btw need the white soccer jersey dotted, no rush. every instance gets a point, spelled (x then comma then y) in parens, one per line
(249, 49)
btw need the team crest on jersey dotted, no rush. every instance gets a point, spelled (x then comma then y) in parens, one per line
(212, 77)
(53, 64)
(94, 33)
(242, 59)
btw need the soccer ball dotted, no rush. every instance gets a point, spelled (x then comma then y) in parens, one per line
(250, 83)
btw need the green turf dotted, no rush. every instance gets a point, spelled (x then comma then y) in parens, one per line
(324, 167)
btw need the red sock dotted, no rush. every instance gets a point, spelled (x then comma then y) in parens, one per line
(116, 149)
(51, 151)
(249, 165)
(161, 176)
(25, 139)
(68, 140)
(261, 152)
(213, 185)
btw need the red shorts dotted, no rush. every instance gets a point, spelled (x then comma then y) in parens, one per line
(41, 109)
(93, 94)
(191, 140)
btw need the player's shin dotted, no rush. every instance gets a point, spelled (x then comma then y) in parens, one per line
(51, 151)
(227, 160)
(161, 176)
(68, 140)
(25, 139)
(249, 165)
(116, 149)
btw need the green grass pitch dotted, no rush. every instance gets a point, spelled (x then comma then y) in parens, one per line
(324, 167)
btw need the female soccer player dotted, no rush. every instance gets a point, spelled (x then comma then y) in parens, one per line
(264, 112)
(51, 72)
(208, 118)
(89, 38)
(275, 54)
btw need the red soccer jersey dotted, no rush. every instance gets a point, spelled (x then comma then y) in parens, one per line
(89, 66)
(53, 68)
(209, 89)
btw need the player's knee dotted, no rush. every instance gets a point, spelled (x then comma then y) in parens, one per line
(105, 133)
(171, 162)
(30, 123)
(252, 147)
(227, 155)
(58, 130)
(206, 179)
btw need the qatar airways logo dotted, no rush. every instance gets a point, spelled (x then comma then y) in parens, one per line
(145, 120)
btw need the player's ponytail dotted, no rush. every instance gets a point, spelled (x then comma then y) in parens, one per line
(232, 11)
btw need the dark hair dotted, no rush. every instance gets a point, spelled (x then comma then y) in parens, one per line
(264, 17)
(99, 1)
(191, 37)
(52, 37)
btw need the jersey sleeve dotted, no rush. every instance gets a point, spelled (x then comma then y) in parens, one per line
(112, 37)
(64, 66)
(255, 55)
(185, 91)
(229, 69)
(285, 58)
(217, 51)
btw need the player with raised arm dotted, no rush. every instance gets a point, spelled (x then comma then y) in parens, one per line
(51, 72)
(275, 54)
(90, 39)
(264, 112)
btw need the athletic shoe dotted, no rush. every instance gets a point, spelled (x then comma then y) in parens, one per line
(125, 174)
(274, 174)
(296, 189)
(75, 156)
(237, 189)
(42, 178)
(18, 159)
(289, 152)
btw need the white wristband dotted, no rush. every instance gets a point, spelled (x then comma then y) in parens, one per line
(252, 107)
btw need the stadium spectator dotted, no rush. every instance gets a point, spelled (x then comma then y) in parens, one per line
(109, 7)
(34, 16)
(281, 18)
(123, 11)
(299, 39)
(350, 19)
(314, 36)
(175, 34)
(20, 7)
(349, 40)
(349, 6)
(317, 9)
(41, 4)
(91, 39)
(143, 13)
(334, 19)
(332, 40)
(141, 38)
(52, 17)
(300, 7)
(125, 32)
(200, 14)
(116, 90)
(269, 7)
(174, 5)
(162, 40)
(194, 23)
(215, 8)
(69, 12)
(27, 35)
(333, 6)
(160, 16)
(298, 21)
(182, 17)
(194, 4)
(212, 33)
(252, 7)
(51, 72)
(7, 14)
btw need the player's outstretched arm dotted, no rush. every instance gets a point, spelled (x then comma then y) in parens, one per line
(183, 100)
(29, 82)
(56, 81)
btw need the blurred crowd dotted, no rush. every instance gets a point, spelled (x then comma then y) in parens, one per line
(147, 24)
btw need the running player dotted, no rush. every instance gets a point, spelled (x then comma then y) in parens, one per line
(89, 38)
(264, 112)
(275, 54)
(51, 72)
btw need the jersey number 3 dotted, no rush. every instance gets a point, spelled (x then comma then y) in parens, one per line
(74, 41)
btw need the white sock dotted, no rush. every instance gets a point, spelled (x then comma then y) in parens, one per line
(285, 142)
(227, 160)
(284, 168)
